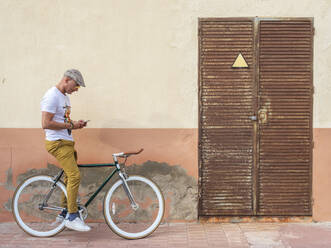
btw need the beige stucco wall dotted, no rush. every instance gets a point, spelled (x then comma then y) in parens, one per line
(139, 58)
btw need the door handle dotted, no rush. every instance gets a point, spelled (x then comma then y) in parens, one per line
(263, 116)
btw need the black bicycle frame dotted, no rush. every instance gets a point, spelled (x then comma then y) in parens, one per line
(93, 166)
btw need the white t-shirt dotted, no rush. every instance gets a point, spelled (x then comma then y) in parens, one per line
(59, 104)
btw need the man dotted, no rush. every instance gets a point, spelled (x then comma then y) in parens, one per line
(56, 108)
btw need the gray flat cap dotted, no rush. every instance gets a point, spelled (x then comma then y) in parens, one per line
(75, 75)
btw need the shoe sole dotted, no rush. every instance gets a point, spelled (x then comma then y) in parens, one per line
(76, 229)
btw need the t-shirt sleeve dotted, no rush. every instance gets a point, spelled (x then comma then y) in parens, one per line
(48, 103)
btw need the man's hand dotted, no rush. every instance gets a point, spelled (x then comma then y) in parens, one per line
(79, 124)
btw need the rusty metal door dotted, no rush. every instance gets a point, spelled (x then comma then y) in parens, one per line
(227, 102)
(285, 125)
(255, 128)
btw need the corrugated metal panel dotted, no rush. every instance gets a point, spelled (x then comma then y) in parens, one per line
(285, 93)
(225, 130)
(264, 167)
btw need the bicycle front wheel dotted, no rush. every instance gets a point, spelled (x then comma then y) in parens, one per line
(29, 213)
(127, 221)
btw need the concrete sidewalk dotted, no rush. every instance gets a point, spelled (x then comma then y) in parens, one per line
(255, 235)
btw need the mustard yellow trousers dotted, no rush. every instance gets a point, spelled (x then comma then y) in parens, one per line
(64, 152)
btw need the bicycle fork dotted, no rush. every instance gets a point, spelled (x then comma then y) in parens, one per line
(127, 190)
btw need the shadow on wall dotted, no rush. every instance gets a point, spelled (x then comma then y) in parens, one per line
(179, 189)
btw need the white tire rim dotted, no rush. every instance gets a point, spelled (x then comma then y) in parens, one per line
(18, 217)
(159, 215)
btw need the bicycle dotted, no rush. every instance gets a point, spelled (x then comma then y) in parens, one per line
(133, 206)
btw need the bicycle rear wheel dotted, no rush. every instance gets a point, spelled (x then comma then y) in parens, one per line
(27, 210)
(123, 219)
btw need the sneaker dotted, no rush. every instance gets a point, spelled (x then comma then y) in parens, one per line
(59, 219)
(77, 224)
(62, 216)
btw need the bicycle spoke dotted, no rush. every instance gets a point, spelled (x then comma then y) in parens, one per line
(30, 213)
(128, 221)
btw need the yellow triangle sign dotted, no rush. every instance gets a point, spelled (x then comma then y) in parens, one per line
(240, 62)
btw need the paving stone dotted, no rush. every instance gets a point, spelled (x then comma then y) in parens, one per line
(193, 235)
